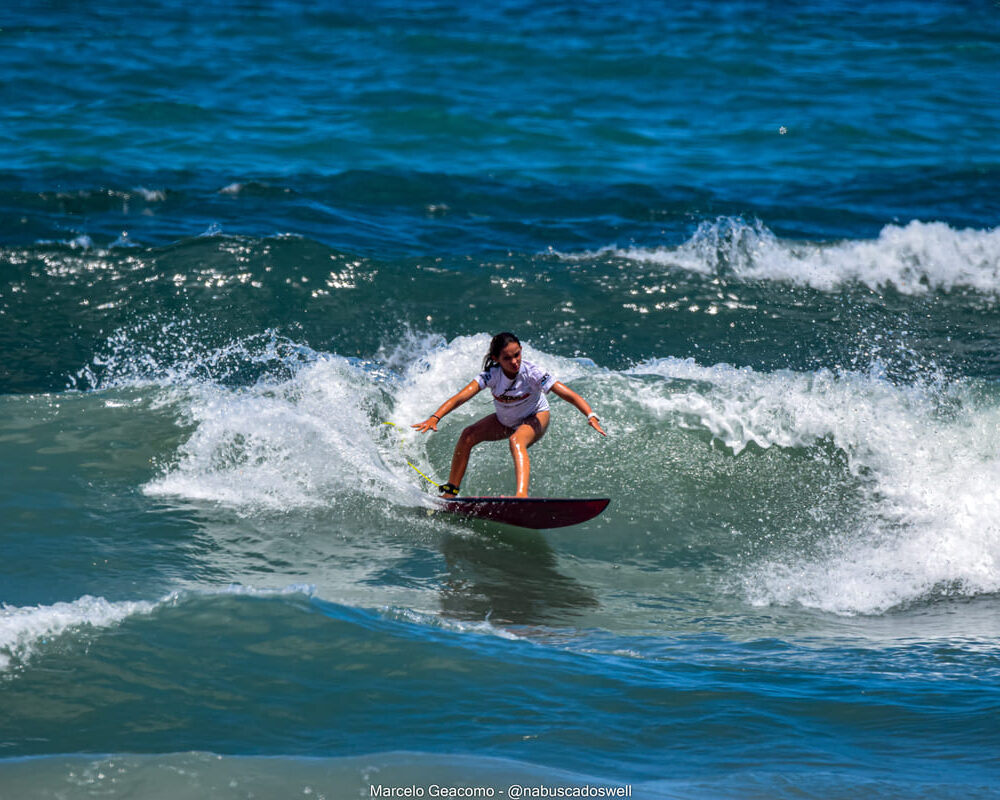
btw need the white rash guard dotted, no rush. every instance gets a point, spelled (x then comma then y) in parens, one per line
(517, 399)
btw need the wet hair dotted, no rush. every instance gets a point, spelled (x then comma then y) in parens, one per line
(497, 344)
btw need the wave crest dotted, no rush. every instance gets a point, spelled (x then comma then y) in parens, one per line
(914, 259)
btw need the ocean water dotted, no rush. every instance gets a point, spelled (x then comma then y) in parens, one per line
(762, 240)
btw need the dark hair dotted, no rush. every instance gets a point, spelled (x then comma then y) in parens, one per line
(497, 344)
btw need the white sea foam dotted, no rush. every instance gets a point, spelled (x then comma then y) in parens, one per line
(151, 195)
(292, 444)
(914, 258)
(431, 619)
(124, 240)
(928, 457)
(22, 629)
(304, 435)
(169, 354)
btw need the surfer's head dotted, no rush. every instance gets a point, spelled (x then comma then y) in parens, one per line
(505, 352)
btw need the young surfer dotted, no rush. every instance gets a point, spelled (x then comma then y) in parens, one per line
(522, 411)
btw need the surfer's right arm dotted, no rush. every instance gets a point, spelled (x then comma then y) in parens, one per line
(449, 405)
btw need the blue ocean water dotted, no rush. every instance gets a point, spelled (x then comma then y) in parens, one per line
(236, 239)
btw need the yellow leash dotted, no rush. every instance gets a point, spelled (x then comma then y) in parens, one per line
(415, 468)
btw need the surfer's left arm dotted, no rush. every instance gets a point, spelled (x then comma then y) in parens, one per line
(453, 402)
(567, 394)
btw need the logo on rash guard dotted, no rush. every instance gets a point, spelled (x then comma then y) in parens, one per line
(506, 398)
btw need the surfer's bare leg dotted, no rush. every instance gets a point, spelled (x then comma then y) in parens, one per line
(488, 429)
(526, 434)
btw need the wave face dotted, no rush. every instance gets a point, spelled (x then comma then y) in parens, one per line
(243, 249)
(923, 459)
(908, 467)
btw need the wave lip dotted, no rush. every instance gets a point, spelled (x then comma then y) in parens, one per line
(23, 628)
(914, 259)
(285, 445)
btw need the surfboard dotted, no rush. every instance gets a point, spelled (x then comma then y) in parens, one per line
(528, 512)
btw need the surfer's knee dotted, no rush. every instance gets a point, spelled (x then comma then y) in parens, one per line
(469, 437)
(519, 441)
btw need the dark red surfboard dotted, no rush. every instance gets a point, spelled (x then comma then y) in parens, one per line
(529, 512)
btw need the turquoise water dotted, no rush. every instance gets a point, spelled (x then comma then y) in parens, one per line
(235, 240)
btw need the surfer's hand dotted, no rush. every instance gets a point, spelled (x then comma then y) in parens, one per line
(429, 424)
(596, 425)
